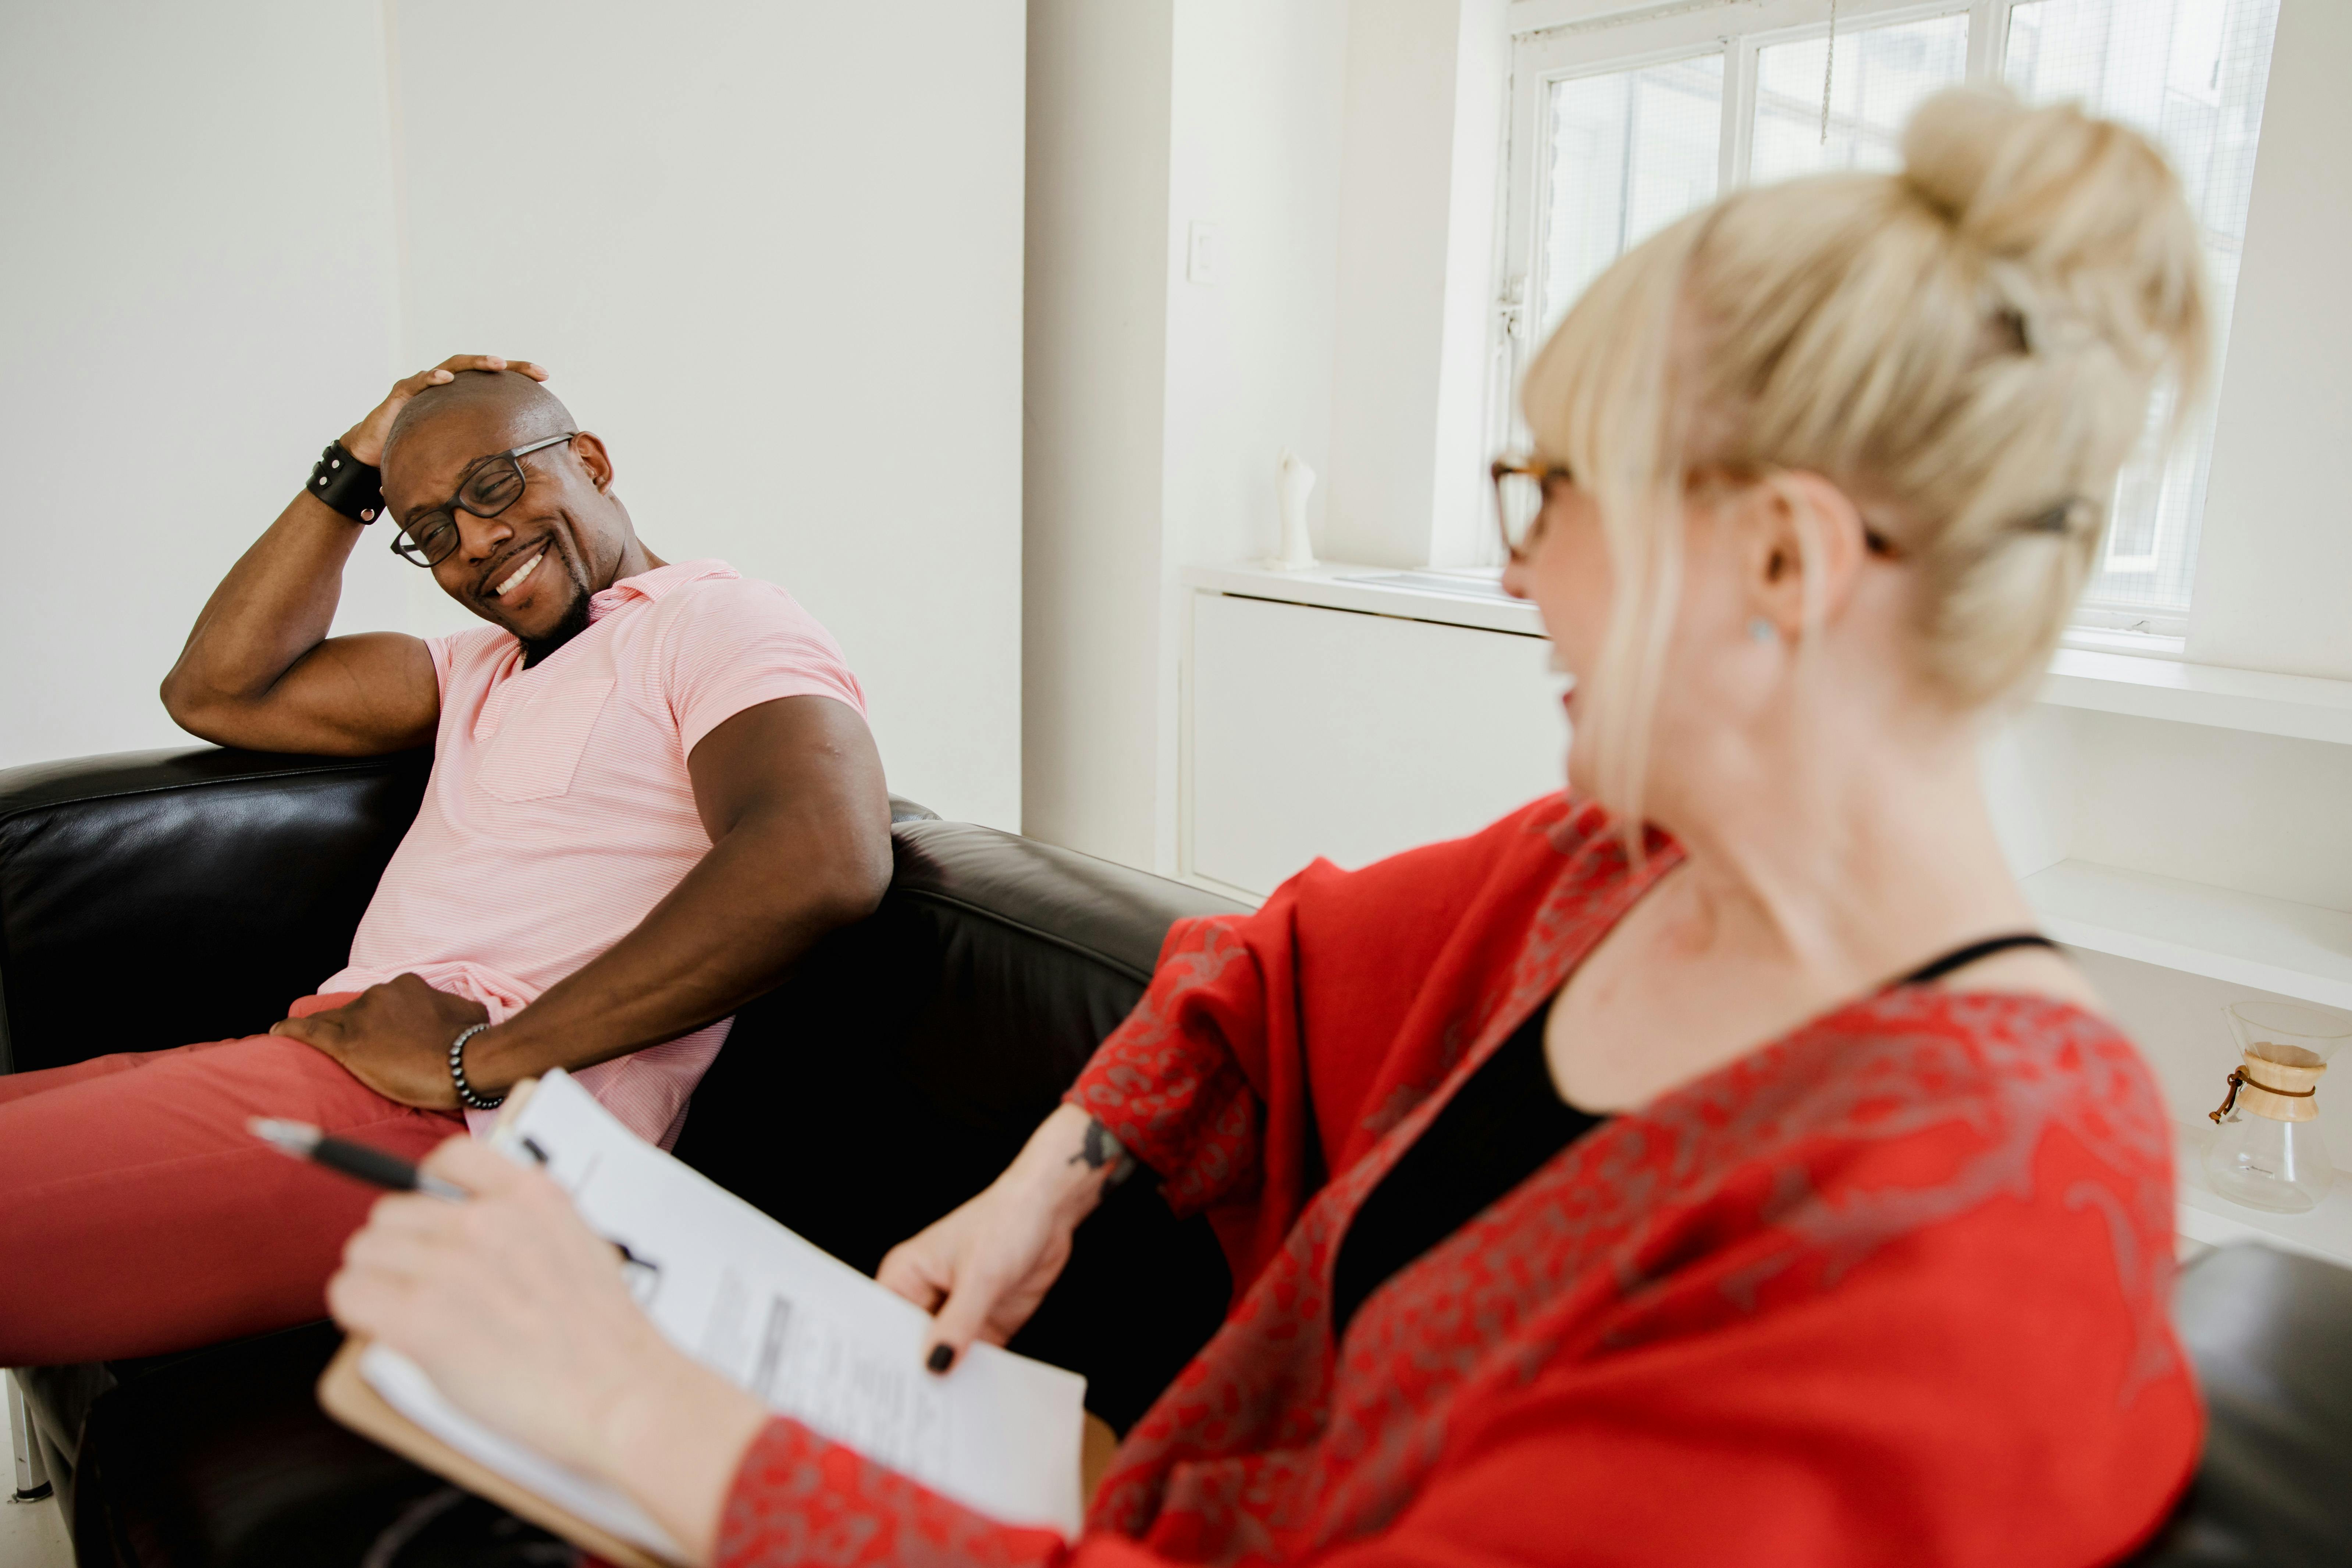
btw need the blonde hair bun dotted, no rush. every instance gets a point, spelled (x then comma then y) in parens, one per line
(1974, 342)
(2082, 217)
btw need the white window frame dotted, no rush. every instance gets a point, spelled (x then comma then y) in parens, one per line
(1558, 40)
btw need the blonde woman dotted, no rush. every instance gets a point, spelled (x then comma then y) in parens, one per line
(1753, 1188)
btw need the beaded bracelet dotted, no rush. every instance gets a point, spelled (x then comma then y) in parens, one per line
(466, 1095)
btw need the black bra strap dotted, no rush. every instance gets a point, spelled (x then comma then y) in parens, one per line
(1962, 957)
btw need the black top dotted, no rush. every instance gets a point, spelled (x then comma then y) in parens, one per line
(1501, 1126)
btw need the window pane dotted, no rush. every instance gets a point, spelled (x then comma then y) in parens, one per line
(1877, 78)
(2191, 73)
(1630, 151)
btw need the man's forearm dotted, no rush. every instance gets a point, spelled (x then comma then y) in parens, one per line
(276, 604)
(727, 932)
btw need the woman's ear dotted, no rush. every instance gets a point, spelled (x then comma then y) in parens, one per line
(1805, 547)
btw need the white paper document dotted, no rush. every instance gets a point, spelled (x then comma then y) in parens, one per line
(811, 1336)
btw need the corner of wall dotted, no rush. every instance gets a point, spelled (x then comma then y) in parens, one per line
(1093, 366)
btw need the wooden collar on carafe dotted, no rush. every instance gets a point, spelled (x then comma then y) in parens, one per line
(2281, 1091)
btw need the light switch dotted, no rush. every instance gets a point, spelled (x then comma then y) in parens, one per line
(1201, 243)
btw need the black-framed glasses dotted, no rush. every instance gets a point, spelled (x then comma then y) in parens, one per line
(1520, 487)
(493, 484)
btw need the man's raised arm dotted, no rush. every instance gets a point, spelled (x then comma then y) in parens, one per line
(259, 670)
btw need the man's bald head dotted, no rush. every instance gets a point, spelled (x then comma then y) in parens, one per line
(505, 401)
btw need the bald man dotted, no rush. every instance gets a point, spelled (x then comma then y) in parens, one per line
(653, 787)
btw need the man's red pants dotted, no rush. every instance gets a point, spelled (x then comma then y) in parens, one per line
(138, 1216)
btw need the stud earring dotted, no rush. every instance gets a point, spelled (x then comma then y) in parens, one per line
(1761, 629)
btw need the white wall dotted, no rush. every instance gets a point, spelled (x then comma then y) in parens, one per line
(1350, 182)
(2276, 553)
(1425, 89)
(196, 294)
(1396, 183)
(1095, 352)
(772, 253)
(1256, 101)
(1157, 406)
(1254, 113)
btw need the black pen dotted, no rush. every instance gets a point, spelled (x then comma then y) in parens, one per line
(378, 1169)
(374, 1166)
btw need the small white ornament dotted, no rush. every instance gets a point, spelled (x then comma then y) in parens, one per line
(1293, 481)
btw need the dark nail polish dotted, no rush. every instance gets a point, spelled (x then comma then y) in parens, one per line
(941, 1358)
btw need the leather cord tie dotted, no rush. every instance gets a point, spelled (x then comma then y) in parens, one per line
(2240, 1078)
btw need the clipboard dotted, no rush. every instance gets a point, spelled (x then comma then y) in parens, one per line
(345, 1394)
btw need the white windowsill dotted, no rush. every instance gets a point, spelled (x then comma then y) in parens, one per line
(2300, 706)
(2139, 645)
(2303, 706)
(1335, 585)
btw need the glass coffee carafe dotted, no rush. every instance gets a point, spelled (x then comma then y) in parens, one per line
(2268, 1153)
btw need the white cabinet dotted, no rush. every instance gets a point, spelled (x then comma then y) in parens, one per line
(1312, 731)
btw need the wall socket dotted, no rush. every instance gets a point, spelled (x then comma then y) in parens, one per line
(1203, 245)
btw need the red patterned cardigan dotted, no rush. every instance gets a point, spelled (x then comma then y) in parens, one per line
(1891, 1288)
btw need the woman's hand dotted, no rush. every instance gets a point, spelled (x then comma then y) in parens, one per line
(521, 1317)
(983, 1270)
(364, 440)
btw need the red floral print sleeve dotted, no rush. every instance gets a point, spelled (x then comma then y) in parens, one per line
(799, 1499)
(1168, 1082)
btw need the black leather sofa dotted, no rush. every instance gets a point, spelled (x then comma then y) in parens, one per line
(888, 1079)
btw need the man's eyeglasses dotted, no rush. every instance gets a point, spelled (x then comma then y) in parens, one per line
(492, 485)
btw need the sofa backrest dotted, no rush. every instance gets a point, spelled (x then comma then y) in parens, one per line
(154, 899)
(906, 1059)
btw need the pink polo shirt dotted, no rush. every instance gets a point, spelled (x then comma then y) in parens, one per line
(559, 812)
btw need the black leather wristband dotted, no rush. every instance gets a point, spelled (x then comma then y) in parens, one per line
(347, 485)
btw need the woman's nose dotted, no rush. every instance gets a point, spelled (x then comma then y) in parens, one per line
(1515, 578)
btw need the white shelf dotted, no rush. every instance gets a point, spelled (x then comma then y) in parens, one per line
(2270, 944)
(2301, 706)
(2204, 1215)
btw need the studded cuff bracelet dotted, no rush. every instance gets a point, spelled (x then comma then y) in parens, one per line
(347, 485)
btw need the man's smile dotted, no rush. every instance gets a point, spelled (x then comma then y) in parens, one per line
(515, 578)
(510, 578)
